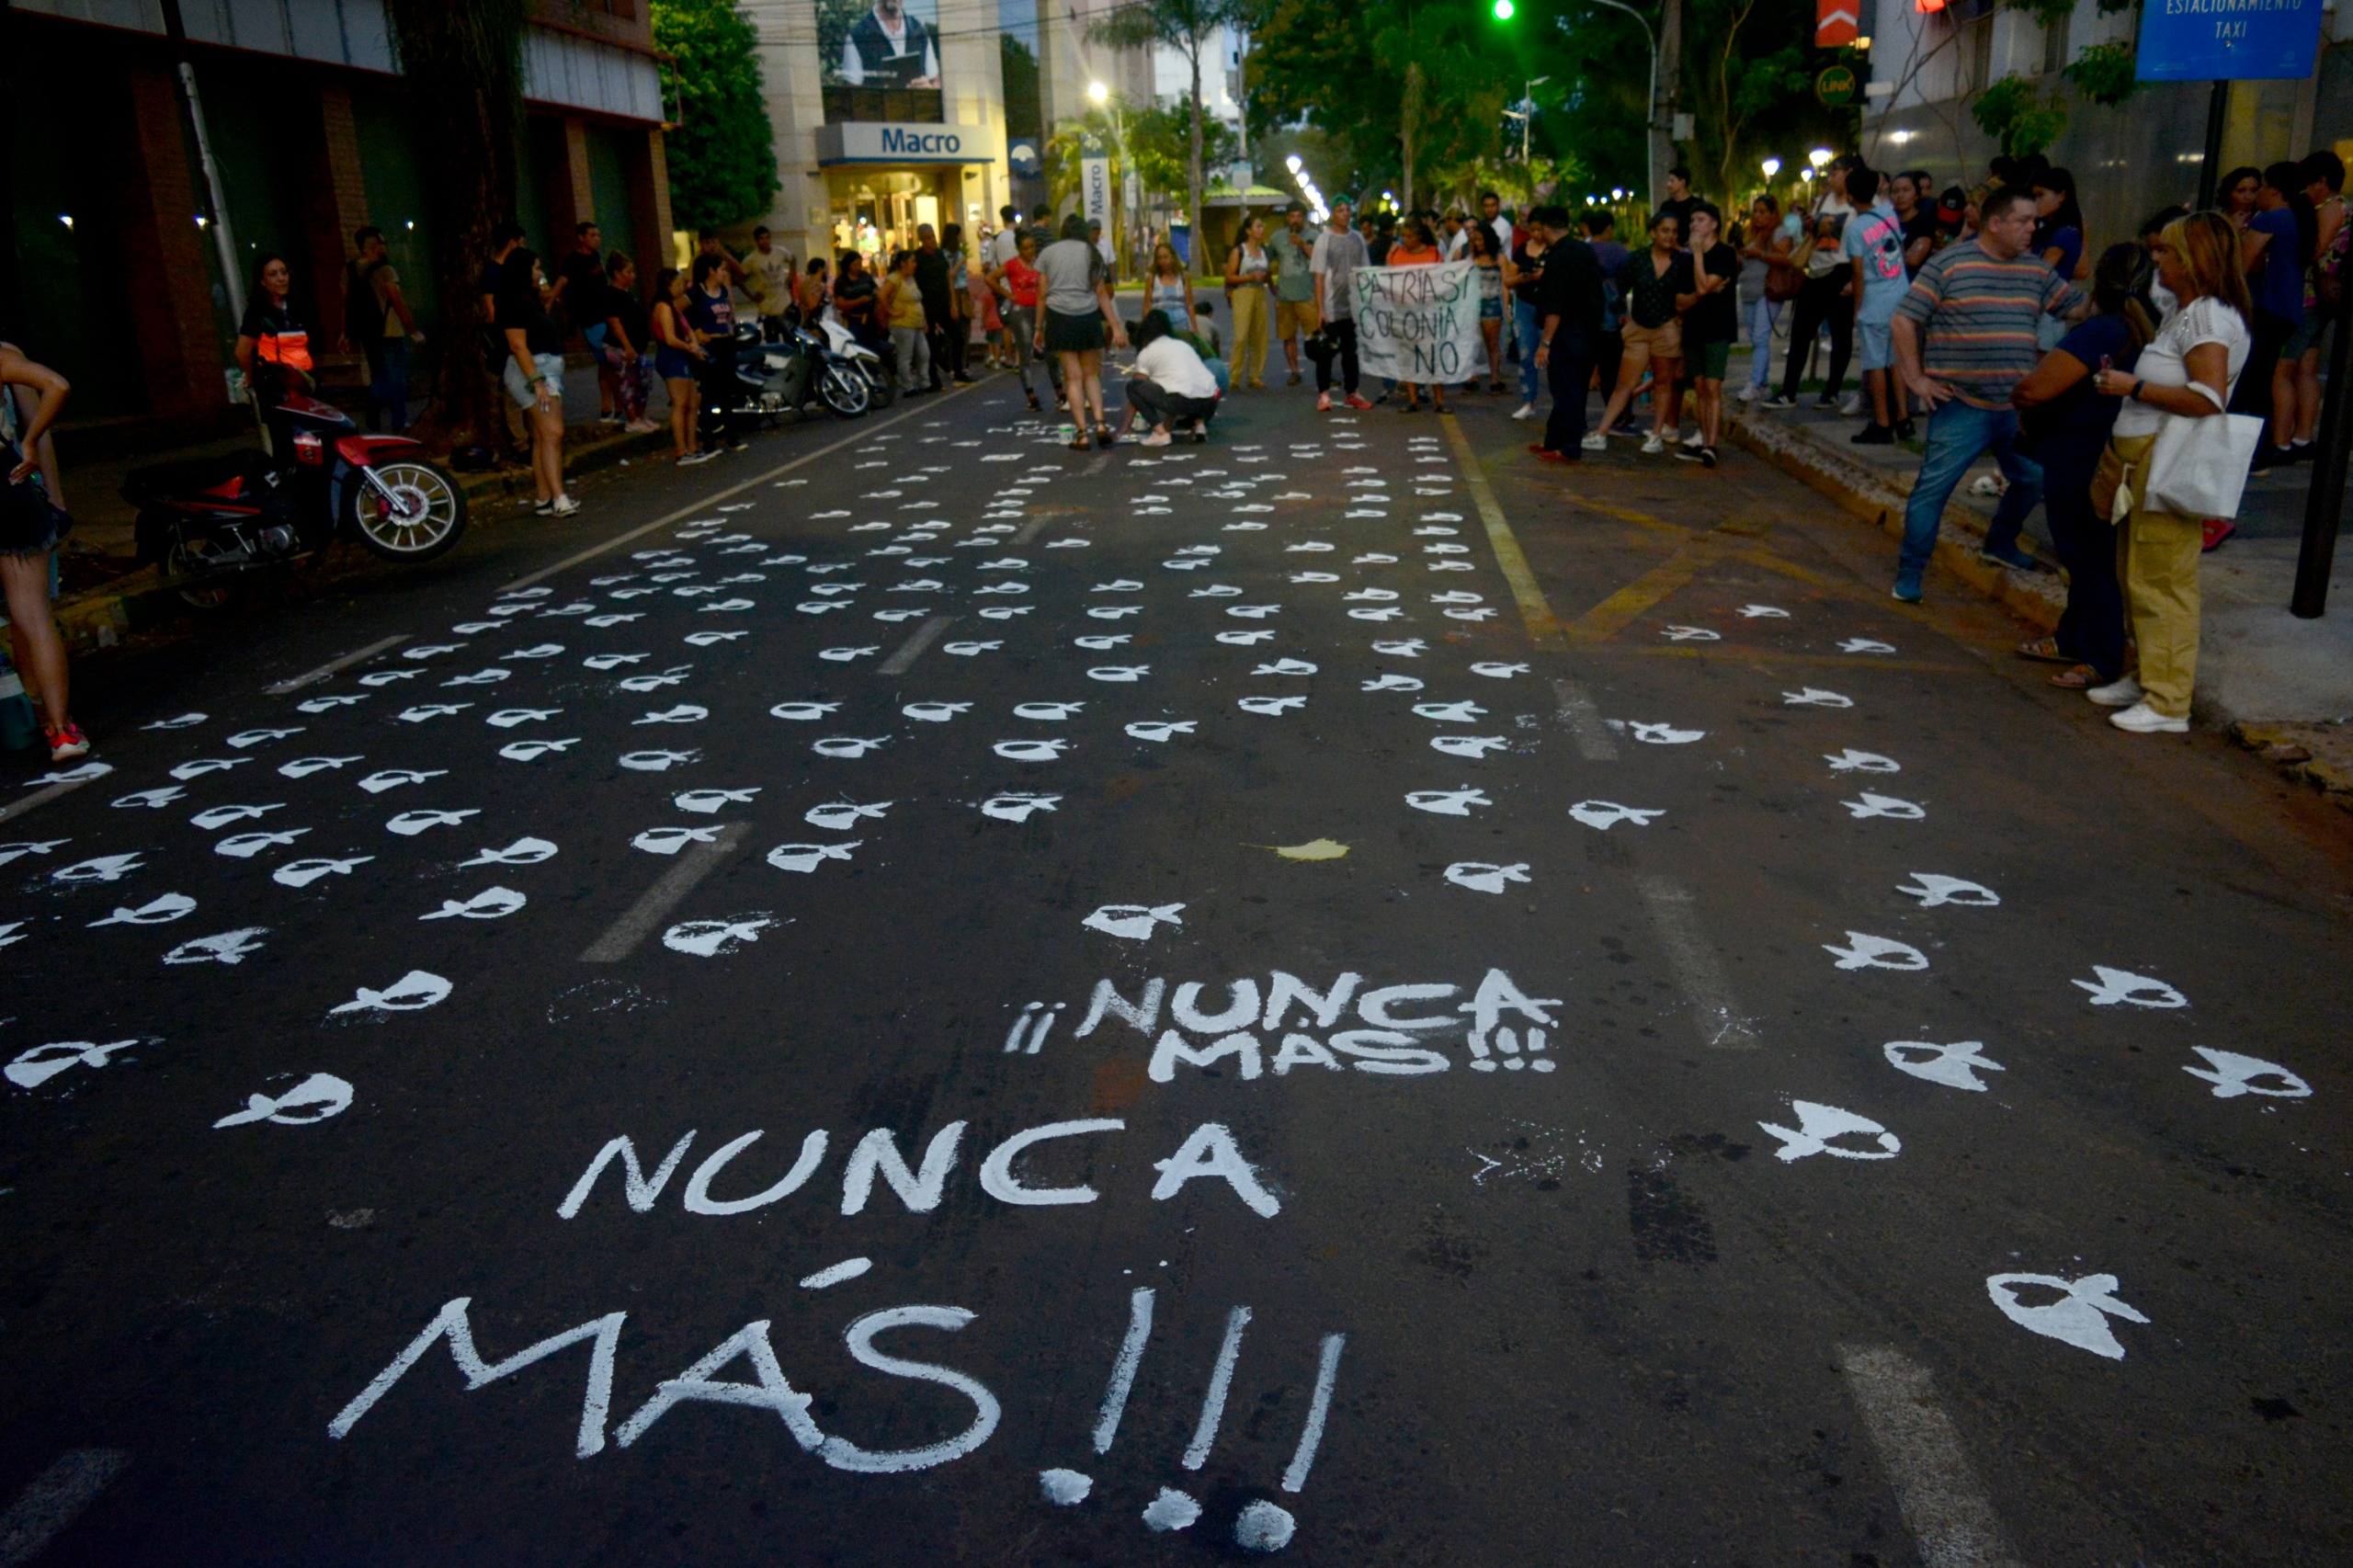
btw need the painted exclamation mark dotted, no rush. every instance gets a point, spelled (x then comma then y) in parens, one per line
(1013, 1039)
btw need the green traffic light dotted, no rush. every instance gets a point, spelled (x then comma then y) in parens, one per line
(1504, 9)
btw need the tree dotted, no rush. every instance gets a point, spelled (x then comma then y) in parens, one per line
(1189, 26)
(463, 66)
(1743, 63)
(723, 155)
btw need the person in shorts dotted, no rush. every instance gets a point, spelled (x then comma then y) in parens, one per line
(1873, 245)
(1657, 286)
(534, 374)
(1293, 249)
(30, 527)
(1710, 327)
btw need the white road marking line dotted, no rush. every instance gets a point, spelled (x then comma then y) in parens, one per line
(697, 862)
(912, 649)
(683, 512)
(1944, 1505)
(1595, 743)
(54, 1499)
(1698, 972)
(41, 797)
(312, 677)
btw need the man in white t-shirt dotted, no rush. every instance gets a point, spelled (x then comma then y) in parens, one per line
(768, 281)
(1005, 243)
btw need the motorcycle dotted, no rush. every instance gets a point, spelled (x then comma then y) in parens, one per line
(883, 386)
(210, 521)
(770, 380)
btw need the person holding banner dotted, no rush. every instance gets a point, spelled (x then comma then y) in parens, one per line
(1417, 246)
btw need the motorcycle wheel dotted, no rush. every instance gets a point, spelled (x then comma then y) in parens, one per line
(426, 518)
(845, 391)
(882, 390)
(180, 562)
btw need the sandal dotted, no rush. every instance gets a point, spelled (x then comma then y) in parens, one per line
(1082, 443)
(2078, 678)
(2045, 649)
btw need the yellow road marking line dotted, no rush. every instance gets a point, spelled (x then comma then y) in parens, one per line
(1543, 627)
(1613, 614)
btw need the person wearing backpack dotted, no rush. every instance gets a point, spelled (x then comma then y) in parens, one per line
(378, 323)
(1873, 244)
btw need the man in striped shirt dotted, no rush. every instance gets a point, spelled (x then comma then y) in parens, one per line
(1976, 304)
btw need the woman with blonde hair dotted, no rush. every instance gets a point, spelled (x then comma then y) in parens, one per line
(1166, 288)
(2186, 372)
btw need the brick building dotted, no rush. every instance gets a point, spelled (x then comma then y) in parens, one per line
(118, 278)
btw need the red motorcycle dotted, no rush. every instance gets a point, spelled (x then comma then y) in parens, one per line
(212, 521)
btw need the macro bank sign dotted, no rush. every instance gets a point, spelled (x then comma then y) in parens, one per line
(2238, 40)
(893, 141)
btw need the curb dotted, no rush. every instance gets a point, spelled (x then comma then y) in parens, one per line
(2285, 747)
(1877, 498)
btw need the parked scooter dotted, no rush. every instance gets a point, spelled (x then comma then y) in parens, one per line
(210, 521)
(883, 386)
(771, 380)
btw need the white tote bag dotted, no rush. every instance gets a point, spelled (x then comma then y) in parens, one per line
(2197, 467)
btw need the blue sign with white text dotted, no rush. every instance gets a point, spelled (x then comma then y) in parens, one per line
(2234, 41)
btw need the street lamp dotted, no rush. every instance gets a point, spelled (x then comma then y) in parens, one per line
(1099, 91)
(1771, 167)
(1649, 118)
(1820, 156)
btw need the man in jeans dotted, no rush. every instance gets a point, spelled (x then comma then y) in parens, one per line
(1293, 249)
(1339, 251)
(1978, 302)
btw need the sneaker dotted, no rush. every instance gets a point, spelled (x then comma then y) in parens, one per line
(1294, 378)
(1780, 399)
(1356, 402)
(1905, 430)
(2269, 457)
(1628, 429)
(690, 459)
(1748, 393)
(609, 419)
(1323, 403)
(1595, 441)
(641, 428)
(2144, 720)
(67, 743)
(1907, 588)
(1156, 438)
(1706, 457)
(2016, 559)
(1653, 443)
(2122, 693)
(1874, 435)
(1851, 404)
(1695, 440)
(1688, 453)
(1524, 410)
(563, 506)
(544, 509)
(1988, 484)
(2216, 530)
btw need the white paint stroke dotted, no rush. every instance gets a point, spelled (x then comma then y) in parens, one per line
(1319, 1411)
(1229, 1351)
(1937, 1489)
(1123, 1370)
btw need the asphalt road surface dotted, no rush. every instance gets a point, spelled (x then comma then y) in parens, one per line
(1338, 995)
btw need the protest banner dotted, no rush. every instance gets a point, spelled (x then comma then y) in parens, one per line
(1420, 324)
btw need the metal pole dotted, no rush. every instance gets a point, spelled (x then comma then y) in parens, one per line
(2324, 505)
(1650, 121)
(224, 239)
(2211, 171)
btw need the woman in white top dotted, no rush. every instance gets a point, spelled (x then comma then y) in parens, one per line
(2186, 372)
(1170, 383)
(1248, 268)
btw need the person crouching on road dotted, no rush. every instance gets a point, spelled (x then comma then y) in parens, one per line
(1170, 382)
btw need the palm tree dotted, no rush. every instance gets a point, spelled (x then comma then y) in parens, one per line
(1189, 26)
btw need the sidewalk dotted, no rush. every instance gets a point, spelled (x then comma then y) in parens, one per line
(104, 593)
(2283, 686)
